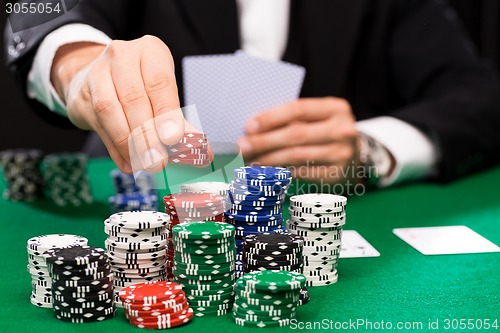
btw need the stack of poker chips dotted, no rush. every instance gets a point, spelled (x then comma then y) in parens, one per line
(41, 294)
(319, 218)
(204, 265)
(21, 171)
(220, 188)
(66, 180)
(255, 202)
(156, 305)
(267, 298)
(133, 192)
(188, 207)
(136, 246)
(275, 252)
(192, 149)
(82, 284)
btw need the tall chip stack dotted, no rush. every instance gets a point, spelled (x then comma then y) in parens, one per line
(65, 178)
(319, 218)
(267, 298)
(133, 192)
(275, 252)
(192, 149)
(188, 207)
(82, 284)
(21, 172)
(136, 246)
(255, 203)
(41, 294)
(156, 305)
(204, 265)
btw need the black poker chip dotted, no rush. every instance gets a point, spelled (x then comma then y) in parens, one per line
(271, 257)
(79, 255)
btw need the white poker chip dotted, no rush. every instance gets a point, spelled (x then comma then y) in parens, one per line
(46, 242)
(205, 187)
(318, 200)
(139, 219)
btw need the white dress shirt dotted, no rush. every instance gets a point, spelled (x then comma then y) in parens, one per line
(264, 33)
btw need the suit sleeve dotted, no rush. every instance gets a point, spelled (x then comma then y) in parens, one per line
(109, 16)
(449, 91)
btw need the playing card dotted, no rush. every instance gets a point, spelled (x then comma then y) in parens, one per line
(355, 246)
(445, 240)
(228, 89)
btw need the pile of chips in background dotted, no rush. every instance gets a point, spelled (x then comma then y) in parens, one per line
(255, 203)
(204, 264)
(65, 178)
(267, 298)
(319, 218)
(82, 284)
(133, 192)
(136, 246)
(156, 305)
(21, 171)
(41, 294)
(188, 207)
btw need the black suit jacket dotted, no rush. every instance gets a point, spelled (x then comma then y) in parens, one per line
(405, 58)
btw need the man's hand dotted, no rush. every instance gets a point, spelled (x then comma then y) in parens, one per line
(316, 135)
(126, 89)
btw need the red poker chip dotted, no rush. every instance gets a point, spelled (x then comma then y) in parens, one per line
(150, 292)
(195, 215)
(201, 156)
(192, 200)
(195, 135)
(190, 161)
(133, 309)
(181, 320)
(193, 211)
(155, 316)
(191, 148)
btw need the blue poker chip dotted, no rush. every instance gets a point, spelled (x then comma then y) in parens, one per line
(256, 212)
(251, 205)
(257, 224)
(252, 218)
(239, 191)
(262, 182)
(258, 188)
(249, 197)
(262, 173)
(128, 184)
(259, 229)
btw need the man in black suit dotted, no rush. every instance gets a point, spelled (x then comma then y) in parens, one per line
(392, 84)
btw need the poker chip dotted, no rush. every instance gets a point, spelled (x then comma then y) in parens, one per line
(22, 174)
(41, 294)
(219, 188)
(266, 299)
(204, 263)
(192, 149)
(65, 179)
(136, 247)
(319, 218)
(81, 283)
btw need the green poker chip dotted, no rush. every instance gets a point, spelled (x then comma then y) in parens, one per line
(203, 272)
(259, 301)
(270, 315)
(261, 324)
(204, 277)
(198, 292)
(216, 297)
(207, 250)
(205, 285)
(204, 267)
(272, 281)
(215, 303)
(227, 306)
(206, 259)
(215, 313)
(203, 230)
(260, 294)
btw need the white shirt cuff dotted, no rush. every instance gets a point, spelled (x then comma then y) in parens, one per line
(39, 86)
(415, 154)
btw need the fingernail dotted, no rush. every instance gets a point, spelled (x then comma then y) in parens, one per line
(168, 129)
(252, 126)
(245, 146)
(152, 157)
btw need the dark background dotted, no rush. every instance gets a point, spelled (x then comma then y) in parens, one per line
(21, 128)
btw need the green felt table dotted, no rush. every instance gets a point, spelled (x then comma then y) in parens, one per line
(401, 285)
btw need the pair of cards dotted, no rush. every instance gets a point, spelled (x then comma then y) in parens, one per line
(426, 240)
(228, 89)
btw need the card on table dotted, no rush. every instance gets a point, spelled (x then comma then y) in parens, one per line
(445, 240)
(355, 246)
(228, 89)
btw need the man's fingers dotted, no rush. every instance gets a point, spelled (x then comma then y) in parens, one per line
(111, 121)
(304, 109)
(288, 136)
(114, 153)
(129, 85)
(158, 74)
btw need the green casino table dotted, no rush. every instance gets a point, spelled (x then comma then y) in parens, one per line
(401, 287)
